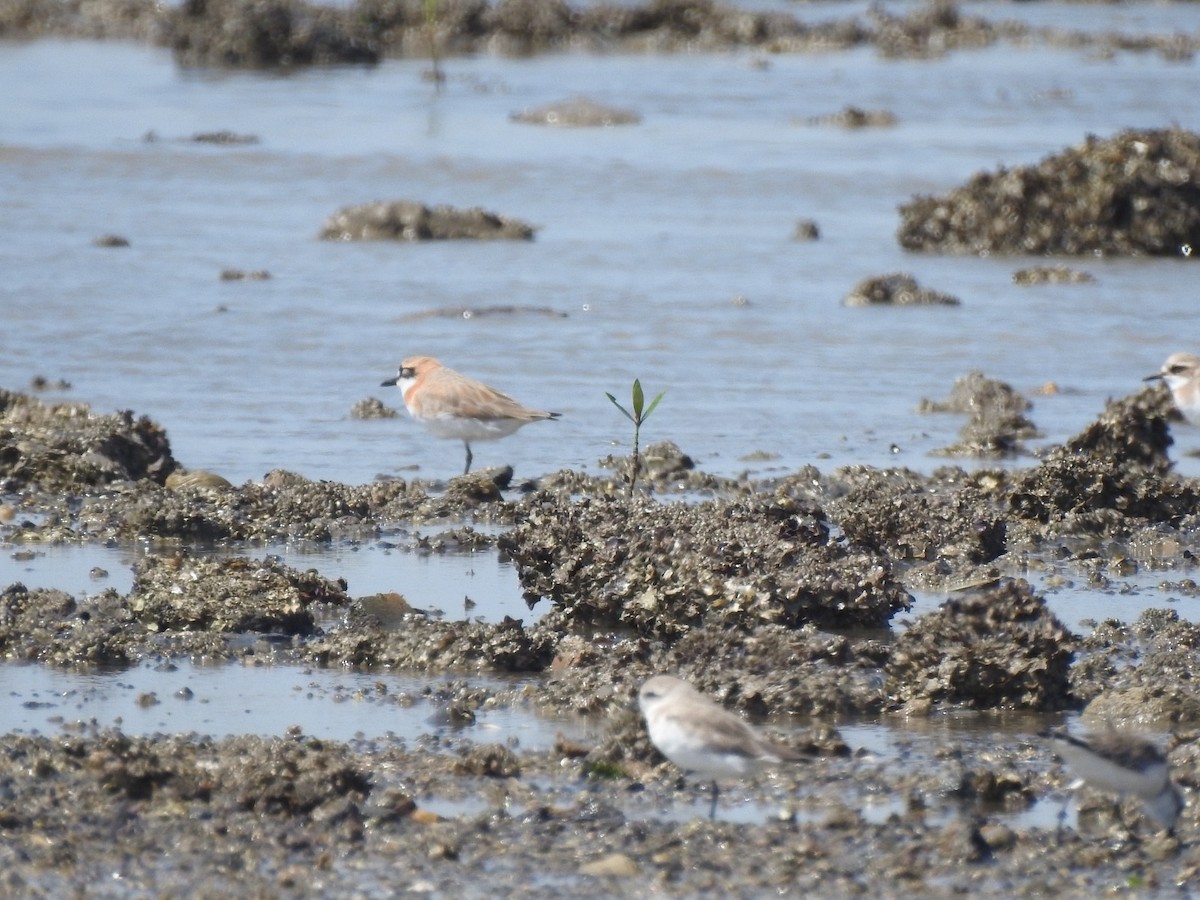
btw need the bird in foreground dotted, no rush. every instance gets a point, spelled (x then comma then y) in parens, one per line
(451, 405)
(1181, 373)
(1123, 764)
(701, 736)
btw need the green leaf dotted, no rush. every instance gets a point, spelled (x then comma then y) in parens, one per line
(653, 404)
(623, 410)
(638, 400)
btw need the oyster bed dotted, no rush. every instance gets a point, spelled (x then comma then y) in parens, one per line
(774, 596)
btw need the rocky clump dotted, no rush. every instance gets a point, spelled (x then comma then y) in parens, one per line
(273, 34)
(67, 447)
(999, 649)
(855, 117)
(896, 289)
(177, 606)
(1035, 275)
(283, 506)
(407, 220)
(664, 569)
(933, 29)
(53, 627)
(290, 33)
(946, 521)
(419, 643)
(998, 422)
(182, 593)
(577, 112)
(1109, 478)
(1137, 193)
(1141, 674)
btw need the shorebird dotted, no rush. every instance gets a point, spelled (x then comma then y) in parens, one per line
(1181, 373)
(1123, 764)
(451, 405)
(700, 736)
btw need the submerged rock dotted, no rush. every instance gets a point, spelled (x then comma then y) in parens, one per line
(407, 220)
(896, 289)
(1052, 275)
(1137, 193)
(578, 112)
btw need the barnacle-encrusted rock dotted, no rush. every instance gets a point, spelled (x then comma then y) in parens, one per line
(283, 506)
(907, 517)
(1002, 648)
(408, 220)
(424, 644)
(998, 422)
(777, 670)
(1052, 275)
(67, 447)
(1115, 469)
(1137, 193)
(1142, 675)
(489, 760)
(52, 626)
(896, 289)
(663, 569)
(181, 593)
(266, 34)
(931, 30)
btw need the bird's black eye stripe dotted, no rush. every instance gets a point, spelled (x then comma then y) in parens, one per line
(1177, 370)
(407, 372)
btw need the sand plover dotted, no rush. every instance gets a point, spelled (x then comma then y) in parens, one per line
(1181, 373)
(451, 405)
(701, 736)
(1124, 764)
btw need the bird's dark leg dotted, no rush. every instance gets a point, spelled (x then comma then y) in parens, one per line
(712, 811)
(467, 468)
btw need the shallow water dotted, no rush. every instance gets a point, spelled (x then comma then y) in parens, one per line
(275, 700)
(648, 234)
(261, 699)
(475, 585)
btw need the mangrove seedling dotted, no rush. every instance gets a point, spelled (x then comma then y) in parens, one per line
(639, 415)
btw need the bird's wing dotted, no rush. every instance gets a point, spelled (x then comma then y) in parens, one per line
(451, 393)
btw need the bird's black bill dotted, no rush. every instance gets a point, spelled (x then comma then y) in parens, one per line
(391, 383)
